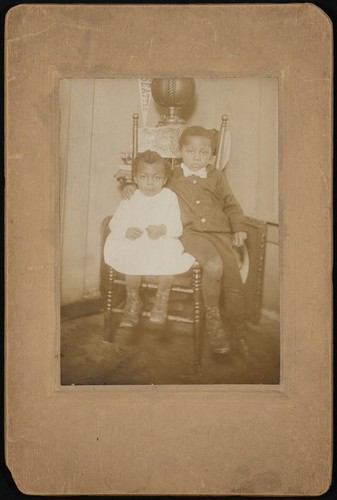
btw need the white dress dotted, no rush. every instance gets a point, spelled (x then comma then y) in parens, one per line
(145, 256)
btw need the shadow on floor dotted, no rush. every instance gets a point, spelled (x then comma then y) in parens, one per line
(161, 356)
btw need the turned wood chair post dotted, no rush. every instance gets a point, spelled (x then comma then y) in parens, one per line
(196, 284)
(108, 307)
(135, 117)
(221, 140)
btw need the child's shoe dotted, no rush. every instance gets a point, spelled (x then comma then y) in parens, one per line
(132, 309)
(216, 333)
(159, 311)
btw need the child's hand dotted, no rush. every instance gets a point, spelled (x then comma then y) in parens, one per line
(239, 238)
(133, 233)
(155, 232)
(127, 191)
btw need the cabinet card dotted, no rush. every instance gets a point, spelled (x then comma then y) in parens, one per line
(86, 414)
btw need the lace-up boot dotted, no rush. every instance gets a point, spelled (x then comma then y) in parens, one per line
(216, 332)
(159, 311)
(132, 309)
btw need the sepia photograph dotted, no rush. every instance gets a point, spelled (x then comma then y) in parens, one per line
(169, 231)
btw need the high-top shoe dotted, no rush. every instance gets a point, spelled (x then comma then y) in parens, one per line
(216, 332)
(132, 309)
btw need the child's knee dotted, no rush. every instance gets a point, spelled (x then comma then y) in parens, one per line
(213, 267)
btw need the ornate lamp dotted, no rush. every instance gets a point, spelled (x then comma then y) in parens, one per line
(172, 94)
(169, 93)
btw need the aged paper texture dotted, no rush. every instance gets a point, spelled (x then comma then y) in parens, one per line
(168, 439)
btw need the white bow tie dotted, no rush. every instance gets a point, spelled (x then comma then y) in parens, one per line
(199, 173)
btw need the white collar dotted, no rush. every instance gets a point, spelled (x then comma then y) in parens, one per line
(202, 172)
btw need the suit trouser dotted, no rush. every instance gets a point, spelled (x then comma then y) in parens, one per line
(205, 246)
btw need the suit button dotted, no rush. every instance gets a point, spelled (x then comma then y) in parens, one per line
(197, 202)
(203, 219)
(194, 181)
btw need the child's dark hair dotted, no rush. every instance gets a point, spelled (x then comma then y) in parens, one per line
(150, 157)
(196, 131)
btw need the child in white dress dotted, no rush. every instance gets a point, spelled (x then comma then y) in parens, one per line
(144, 238)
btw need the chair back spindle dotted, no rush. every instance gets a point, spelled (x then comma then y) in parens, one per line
(221, 141)
(135, 117)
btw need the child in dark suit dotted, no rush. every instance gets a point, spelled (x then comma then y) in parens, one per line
(213, 221)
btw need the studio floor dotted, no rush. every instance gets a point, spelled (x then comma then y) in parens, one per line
(147, 355)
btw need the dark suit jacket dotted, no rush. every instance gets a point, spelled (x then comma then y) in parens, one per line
(207, 205)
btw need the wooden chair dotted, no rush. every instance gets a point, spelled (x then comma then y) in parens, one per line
(189, 283)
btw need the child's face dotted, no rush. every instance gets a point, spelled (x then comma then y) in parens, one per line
(150, 177)
(196, 152)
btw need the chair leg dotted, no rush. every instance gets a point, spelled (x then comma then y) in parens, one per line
(196, 282)
(107, 334)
